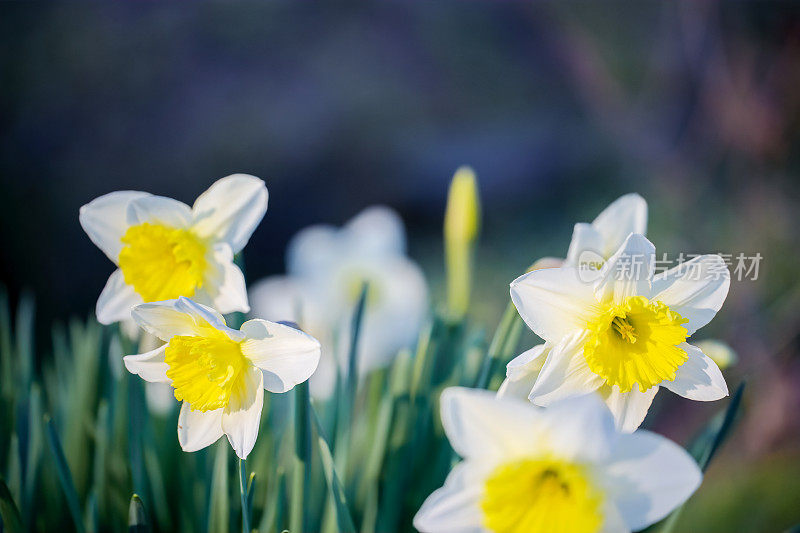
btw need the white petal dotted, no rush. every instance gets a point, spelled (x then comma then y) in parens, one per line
(626, 215)
(651, 476)
(522, 371)
(586, 242)
(242, 417)
(160, 399)
(581, 428)
(313, 250)
(699, 378)
(179, 317)
(377, 230)
(198, 429)
(628, 272)
(612, 519)
(286, 355)
(565, 373)
(455, 507)
(629, 408)
(150, 366)
(479, 424)
(104, 219)
(116, 300)
(230, 209)
(277, 298)
(159, 210)
(554, 302)
(228, 292)
(695, 289)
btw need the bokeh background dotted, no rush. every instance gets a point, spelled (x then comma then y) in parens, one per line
(559, 108)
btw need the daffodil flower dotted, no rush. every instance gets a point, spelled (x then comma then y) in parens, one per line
(593, 244)
(327, 267)
(565, 469)
(165, 249)
(623, 335)
(220, 373)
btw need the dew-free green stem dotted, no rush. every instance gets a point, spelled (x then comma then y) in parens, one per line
(243, 493)
(509, 329)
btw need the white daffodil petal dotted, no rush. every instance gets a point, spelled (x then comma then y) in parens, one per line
(198, 429)
(105, 221)
(629, 408)
(149, 366)
(699, 378)
(231, 292)
(613, 522)
(565, 373)
(277, 298)
(554, 302)
(378, 231)
(240, 420)
(522, 371)
(313, 251)
(587, 242)
(455, 507)
(581, 428)
(628, 271)
(478, 424)
(286, 355)
(159, 210)
(626, 215)
(116, 300)
(179, 317)
(231, 209)
(695, 289)
(650, 476)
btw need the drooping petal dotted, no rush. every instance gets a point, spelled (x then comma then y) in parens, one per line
(628, 272)
(565, 373)
(455, 507)
(478, 424)
(149, 366)
(699, 378)
(231, 209)
(286, 356)
(159, 210)
(554, 302)
(198, 429)
(695, 289)
(229, 292)
(104, 219)
(586, 241)
(650, 476)
(240, 420)
(179, 317)
(117, 299)
(522, 371)
(581, 428)
(625, 215)
(628, 408)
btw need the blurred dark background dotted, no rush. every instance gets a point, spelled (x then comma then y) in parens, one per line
(560, 108)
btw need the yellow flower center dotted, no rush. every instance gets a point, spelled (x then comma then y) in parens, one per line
(206, 371)
(636, 342)
(162, 263)
(541, 496)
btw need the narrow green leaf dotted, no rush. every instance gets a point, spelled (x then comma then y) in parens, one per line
(9, 511)
(302, 458)
(505, 339)
(137, 518)
(219, 508)
(343, 516)
(64, 475)
(707, 445)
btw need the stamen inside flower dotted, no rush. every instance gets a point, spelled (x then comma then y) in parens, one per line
(162, 263)
(541, 496)
(206, 371)
(636, 342)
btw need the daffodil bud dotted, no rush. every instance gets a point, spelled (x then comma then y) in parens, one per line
(461, 228)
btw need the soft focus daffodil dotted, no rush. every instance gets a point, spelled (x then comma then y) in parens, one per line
(327, 267)
(623, 335)
(217, 372)
(165, 249)
(562, 469)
